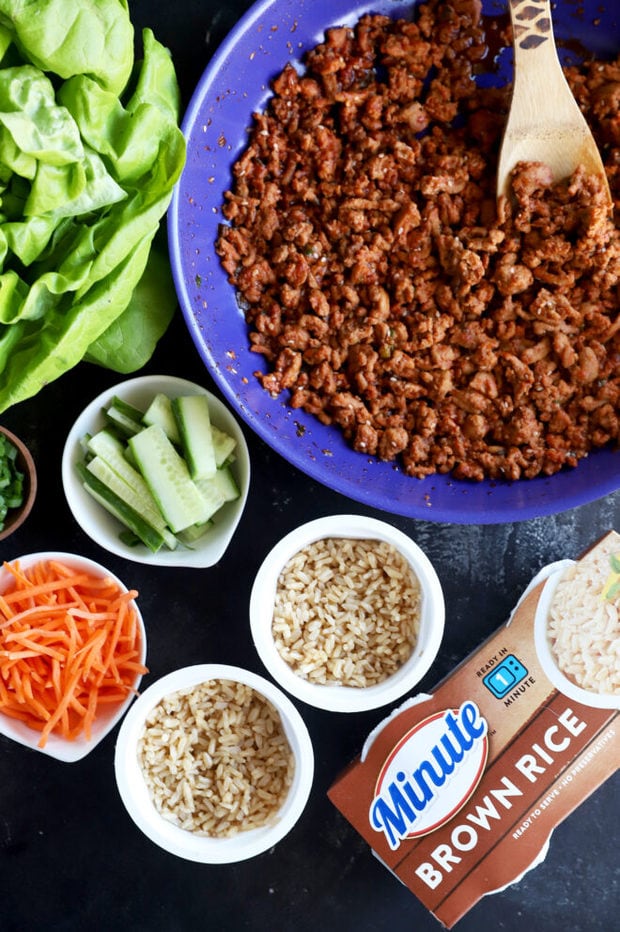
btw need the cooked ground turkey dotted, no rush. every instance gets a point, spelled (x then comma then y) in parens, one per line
(386, 291)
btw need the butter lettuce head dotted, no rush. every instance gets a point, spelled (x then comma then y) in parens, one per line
(90, 150)
(69, 37)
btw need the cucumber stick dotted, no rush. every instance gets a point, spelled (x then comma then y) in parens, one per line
(190, 535)
(124, 417)
(194, 423)
(216, 491)
(223, 445)
(120, 509)
(130, 487)
(128, 410)
(220, 487)
(163, 473)
(167, 475)
(105, 444)
(160, 412)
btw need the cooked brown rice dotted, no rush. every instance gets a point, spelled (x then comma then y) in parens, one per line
(584, 624)
(216, 759)
(346, 611)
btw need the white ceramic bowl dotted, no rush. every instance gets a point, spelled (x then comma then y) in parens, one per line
(340, 698)
(545, 653)
(135, 795)
(102, 527)
(109, 715)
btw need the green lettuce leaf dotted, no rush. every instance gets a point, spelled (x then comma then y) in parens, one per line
(40, 352)
(31, 120)
(86, 176)
(68, 37)
(136, 136)
(130, 340)
(71, 190)
(26, 239)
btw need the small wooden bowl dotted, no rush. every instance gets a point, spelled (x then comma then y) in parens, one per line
(16, 516)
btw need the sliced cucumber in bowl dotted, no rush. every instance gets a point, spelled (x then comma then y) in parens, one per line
(147, 468)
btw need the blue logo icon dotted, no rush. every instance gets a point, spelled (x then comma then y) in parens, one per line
(505, 676)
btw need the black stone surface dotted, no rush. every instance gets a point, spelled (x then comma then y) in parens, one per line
(70, 856)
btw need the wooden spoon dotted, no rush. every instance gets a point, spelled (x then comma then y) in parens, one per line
(545, 123)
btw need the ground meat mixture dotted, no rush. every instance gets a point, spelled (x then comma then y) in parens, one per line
(389, 294)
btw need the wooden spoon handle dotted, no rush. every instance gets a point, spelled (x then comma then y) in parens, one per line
(541, 92)
(534, 44)
(545, 123)
(531, 23)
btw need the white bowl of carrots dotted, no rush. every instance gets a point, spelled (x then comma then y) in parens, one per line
(72, 652)
(197, 545)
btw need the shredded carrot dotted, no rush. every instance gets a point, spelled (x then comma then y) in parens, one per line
(69, 644)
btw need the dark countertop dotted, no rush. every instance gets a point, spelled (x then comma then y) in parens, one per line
(70, 856)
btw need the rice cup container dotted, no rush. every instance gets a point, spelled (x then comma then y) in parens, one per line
(337, 697)
(599, 700)
(182, 842)
(109, 715)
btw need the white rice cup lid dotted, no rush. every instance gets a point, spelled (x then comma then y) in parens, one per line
(544, 650)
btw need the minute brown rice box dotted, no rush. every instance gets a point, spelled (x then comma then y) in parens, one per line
(459, 790)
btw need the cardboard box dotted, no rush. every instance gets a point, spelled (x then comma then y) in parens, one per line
(458, 792)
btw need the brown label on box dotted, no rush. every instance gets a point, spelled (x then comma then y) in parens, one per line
(458, 793)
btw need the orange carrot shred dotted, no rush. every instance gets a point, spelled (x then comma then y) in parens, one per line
(69, 643)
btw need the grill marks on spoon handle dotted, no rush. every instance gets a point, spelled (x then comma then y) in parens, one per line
(531, 21)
